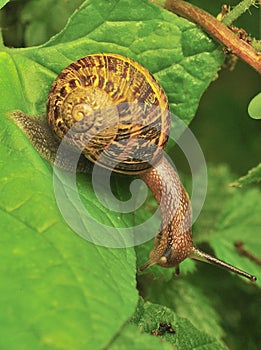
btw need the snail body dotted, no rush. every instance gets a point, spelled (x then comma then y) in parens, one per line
(125, 113)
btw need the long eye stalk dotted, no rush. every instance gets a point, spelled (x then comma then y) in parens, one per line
(202, 256)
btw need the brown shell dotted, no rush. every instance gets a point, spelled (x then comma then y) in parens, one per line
(121, 108)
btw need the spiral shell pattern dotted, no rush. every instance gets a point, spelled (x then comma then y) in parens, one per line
(120, 106)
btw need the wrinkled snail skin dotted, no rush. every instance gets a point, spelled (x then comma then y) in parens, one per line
(125, 113)
(174, 242)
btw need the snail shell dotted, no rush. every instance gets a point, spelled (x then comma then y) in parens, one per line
(137, 120)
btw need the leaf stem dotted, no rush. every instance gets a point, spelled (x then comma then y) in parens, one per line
(237, 11)
(217, 30)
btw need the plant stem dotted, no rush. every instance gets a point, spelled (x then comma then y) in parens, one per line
(217, 30)
(237, 11)
(239, 245)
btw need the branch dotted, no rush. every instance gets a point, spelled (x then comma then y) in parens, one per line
(237, 11)
(217, 30)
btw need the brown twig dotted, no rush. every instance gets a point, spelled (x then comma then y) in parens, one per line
(239, 245)
(217, 30)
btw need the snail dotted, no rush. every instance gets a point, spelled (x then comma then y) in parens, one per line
(91, 90)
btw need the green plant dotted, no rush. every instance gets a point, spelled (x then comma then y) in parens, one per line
(59, 291)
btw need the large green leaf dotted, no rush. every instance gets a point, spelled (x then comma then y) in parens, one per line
(58, 290)
(157, 39)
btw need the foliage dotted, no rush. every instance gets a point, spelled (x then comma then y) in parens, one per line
(253, 175)
(59, 291)
(254, 107)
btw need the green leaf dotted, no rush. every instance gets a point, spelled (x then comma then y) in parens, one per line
(148, 316)
(136, 340)
(240, 220)
(72, 293)
(58, 290)
(218, 193)
(155, 38)
(188, 301)
(3, 3)
(253, 176)
(254, 107)
(236, 217)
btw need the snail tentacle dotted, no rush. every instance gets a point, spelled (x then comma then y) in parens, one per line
(202, 256)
